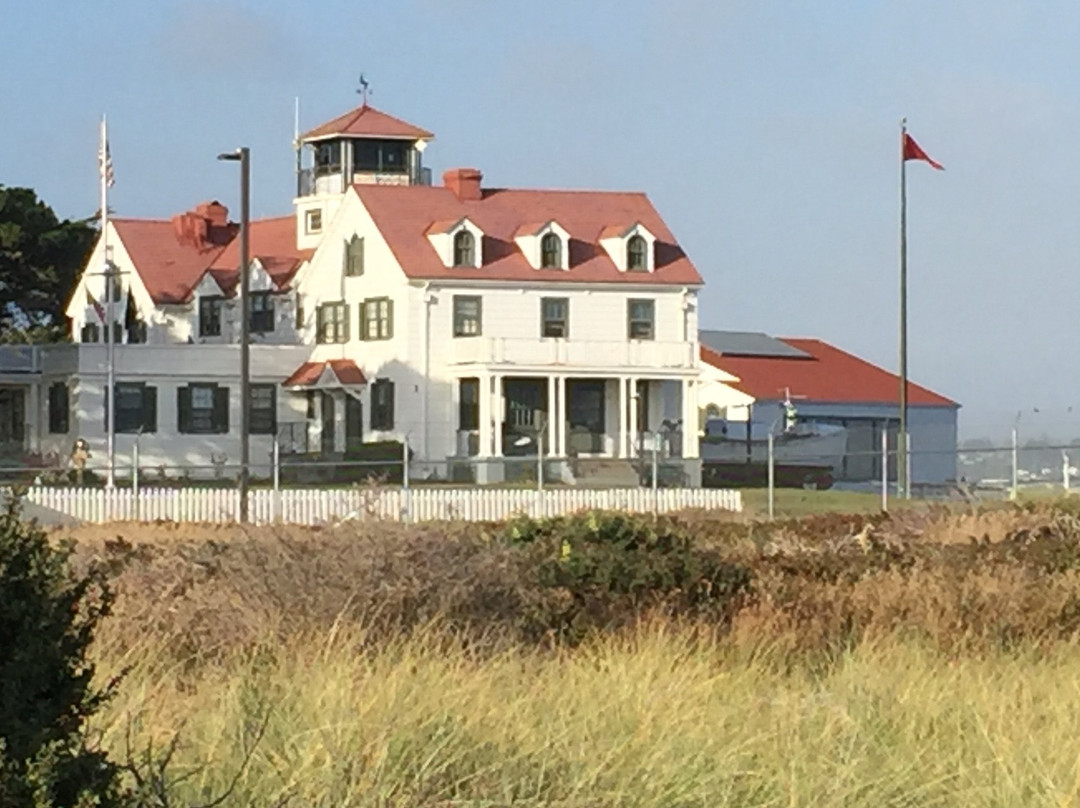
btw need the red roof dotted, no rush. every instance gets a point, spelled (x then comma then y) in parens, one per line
(309, 373)
(171, 267)
(366, 121)
(404, 214)
(273, 243)
(828, 374)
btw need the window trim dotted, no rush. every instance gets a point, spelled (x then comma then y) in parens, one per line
(313, 215)
(266, 312)
(220, 403)
(382, 412)
(144, 420)
(254, 427)
(545, 320)
(211, 302)
(340, 323)
(385, 324)
(459, 318)
(631, 320)
(464, 254)
(643, 254)
(551, 237)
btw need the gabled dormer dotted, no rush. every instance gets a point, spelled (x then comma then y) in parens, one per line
(459, 242)
(631, 248)
(545, 245)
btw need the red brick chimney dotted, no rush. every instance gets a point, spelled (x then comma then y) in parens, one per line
(206, 226)
(464, 182)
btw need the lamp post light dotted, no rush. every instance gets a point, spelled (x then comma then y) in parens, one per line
(525, 440)
(243, 156)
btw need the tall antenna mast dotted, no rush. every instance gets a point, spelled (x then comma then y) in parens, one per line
(296, 147)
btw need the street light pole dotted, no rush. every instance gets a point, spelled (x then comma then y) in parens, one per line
(243, 156)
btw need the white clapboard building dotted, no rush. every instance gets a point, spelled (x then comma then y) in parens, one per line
(470, 321)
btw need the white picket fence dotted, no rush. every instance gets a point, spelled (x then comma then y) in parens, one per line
(314, 506)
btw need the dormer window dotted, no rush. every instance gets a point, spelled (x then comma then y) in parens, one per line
(637, 254)
(551, 251)
(464, 249)
(632, 248)
(459, 243)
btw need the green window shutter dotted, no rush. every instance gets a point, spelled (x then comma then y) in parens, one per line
(390, 404)
(221, 410)
(345, 318)
(183, 409)
(390, 318)
(363, 320)
(149, 413)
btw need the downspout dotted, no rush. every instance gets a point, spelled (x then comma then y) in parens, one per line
(428, 300)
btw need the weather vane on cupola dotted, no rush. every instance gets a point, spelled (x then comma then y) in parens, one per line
(365, 89)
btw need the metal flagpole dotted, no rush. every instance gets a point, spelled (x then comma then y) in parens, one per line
(903, 484)
(104, 169)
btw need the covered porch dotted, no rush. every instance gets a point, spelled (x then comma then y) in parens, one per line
(574, 418)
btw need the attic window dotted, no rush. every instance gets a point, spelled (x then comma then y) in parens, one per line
(464, 249)
(637, 254)
(551, 251)
(314, 220)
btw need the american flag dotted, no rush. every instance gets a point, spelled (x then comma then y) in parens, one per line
(105, 166)
(97, 306)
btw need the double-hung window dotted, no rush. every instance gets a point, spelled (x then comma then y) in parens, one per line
(467, 316)
(641, 319)
(333, 323)
(377, 318)
(555, 317)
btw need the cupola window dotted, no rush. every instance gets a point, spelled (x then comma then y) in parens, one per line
(637, 254)
(551, 251)
(464, 249)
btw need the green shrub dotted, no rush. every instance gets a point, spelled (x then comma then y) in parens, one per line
(611, 566)
(48, 615)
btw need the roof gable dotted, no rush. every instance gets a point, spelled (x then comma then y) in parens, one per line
(170, 268)
(404, 214)
(366, 121)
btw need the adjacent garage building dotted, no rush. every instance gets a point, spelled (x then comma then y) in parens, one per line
(748, 377)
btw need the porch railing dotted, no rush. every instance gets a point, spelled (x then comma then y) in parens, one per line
(575, 353)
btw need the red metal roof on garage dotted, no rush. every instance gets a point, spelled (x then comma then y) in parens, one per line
(827, 374)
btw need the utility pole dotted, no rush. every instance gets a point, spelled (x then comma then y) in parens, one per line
(243, 156)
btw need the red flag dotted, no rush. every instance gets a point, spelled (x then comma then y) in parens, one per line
(913, 151)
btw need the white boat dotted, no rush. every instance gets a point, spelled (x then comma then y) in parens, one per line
(800, 444)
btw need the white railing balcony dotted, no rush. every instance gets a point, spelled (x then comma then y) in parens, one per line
(574, 353)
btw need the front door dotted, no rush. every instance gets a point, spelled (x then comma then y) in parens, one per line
(585, 416)
(354, 423)
(12, 420)
(327, 444)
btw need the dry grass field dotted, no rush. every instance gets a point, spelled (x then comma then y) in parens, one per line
(927, 658)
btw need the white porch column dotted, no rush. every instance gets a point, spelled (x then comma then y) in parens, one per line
(484, 424)
(564, 413)
(690, 445)
(34, 417)
(498, 414)
(620, 444)
(635, 408)
(552, 416)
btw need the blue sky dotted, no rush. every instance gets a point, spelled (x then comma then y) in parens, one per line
(765, 132)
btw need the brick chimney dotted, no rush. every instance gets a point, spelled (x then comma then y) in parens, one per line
(206, 226)
(464, 182)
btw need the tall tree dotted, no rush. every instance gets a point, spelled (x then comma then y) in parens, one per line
(40, 258)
